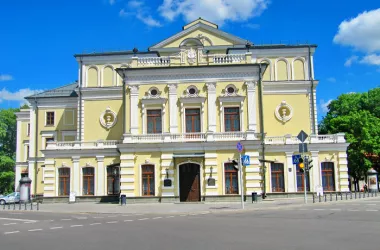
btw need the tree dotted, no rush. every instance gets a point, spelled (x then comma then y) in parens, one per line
(8, 132)
(358, 116)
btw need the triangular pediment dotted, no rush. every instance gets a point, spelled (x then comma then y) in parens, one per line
(208, 33)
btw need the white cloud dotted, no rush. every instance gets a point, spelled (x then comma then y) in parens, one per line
(351, 60)
(218, 11)
(372, 59)
(324, 105)
(361, 32)
(331, 79)
(112, 2)
(141, 12)
(19, 95)
(5, 77)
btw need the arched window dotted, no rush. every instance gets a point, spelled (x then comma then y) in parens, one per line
(231, 179)
(328, 180)
(113, 180)
(147, 176)
(64, 181)
(277, 174)
(88, 181)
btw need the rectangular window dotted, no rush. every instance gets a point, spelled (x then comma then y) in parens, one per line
(277, 173)
(154, 121)
(113, 180)
(328, 181)
(27, 152)
(193, 120)
(28, 129)
(47, 140)
(50, 118)
(64, 181)
(88, 181)
(300, 180)
(147, 175)
(231, 179)
(231, 119)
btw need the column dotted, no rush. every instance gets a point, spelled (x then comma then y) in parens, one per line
(127, 175)
(343, 172)
(291, 173)
(253, 176)
(76, 175)
(211, 99)
(32, 148)
(100, 176)
(167, 168)
(173, 109)
(315, 177)
(50, 184)
(211, 171)
(251, 91)
(134, 108)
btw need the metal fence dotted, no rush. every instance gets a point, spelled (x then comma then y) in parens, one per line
(343, 196)
(22, 206)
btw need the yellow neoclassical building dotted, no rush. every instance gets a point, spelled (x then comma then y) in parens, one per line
(162, 125)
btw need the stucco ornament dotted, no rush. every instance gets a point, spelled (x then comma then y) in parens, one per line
(108, 118)
(191, 56)
(284, 112)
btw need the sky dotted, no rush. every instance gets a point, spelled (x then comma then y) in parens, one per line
(39, 38)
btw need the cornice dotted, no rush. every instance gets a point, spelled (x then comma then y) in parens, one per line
(102, 93)
(287, 87)
(57, 102)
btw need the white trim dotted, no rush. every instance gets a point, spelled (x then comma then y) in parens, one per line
(64, 117)
(304, 66)
(287, 68)
(200, 176)
(47, 134)
(55, 117)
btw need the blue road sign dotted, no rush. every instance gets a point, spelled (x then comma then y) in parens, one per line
(245, 160)
(239, 147)
(296, 158)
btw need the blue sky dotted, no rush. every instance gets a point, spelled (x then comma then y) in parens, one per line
(39, 38)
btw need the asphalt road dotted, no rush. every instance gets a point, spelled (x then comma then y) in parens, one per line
(353, 225)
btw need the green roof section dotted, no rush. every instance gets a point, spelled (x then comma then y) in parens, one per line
(68, 90)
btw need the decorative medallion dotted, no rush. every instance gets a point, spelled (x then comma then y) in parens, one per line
(284, 112)
(108, 118)
(191, 56)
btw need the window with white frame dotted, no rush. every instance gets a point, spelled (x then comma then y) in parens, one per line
(50, 118)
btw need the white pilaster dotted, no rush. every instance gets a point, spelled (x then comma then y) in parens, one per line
(251, 91)
(173, 109)
(100, 176)
(76, 175)
(316, 179)
(18, 142)
(211, 99)
(291, 175)
(134, 101)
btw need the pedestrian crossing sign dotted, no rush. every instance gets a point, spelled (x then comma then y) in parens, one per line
(245, 160)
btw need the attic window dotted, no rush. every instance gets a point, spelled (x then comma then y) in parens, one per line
(192, 91)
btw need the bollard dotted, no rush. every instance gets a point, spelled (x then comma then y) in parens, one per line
(355, 195)
(38, 207)
(346, 195)
(336, 196)
(14, 206)
(341, 196)
(313, 198)
(25, 205)
(19, 205)
(375, 194)
(31, 206)
(319, 198)
(330, 196)
(351, 195)
(360, 195)
(325, 197)
(367, 194)
(9, 206)
(363, 194)
(372, 194)
(4, 206)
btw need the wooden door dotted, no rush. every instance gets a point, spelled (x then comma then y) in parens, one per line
(189, 182)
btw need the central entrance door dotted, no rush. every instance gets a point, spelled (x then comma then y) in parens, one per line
(189, 182)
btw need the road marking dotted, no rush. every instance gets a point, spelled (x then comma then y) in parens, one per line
(15, 213)
(169, 216)
(112, 216)
(319, 209)
(371, 204)
(125, 215)
(76, 226)
(155, 218)
(335, 209)
(98, 217)
(13, 232)
(56, 228)
(138, 214)
(81, 218)
(127, 220)
(372, 210)
(34, 230)
(12, 219)
(353, 210)
(93, 224)
(144, 219)
(9, 224)
(65, 219)
(110, 222)
(28, 222)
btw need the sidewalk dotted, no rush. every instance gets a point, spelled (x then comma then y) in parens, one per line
(164, 208)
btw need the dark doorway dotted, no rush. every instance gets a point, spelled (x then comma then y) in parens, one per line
(189, 182)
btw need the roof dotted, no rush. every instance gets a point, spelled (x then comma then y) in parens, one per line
(112, 53)
(64, 91)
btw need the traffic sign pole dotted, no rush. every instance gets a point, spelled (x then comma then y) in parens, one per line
(241, 182)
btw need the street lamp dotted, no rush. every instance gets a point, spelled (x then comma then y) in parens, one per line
(248, 46)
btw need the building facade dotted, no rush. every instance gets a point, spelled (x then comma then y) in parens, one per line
(163, 124)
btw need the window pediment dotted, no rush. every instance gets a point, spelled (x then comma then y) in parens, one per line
(230, 99)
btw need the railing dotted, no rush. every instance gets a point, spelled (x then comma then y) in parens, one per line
(229, 58)
(194, 137)
(153, 61)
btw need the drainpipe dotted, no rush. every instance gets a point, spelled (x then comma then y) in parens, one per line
(80, 100)
(312, 95)
(124, 108)
(261, 116)
(35, 149)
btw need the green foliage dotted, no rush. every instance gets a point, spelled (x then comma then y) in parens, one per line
(25, 106)
(8, 132)
(358, 116)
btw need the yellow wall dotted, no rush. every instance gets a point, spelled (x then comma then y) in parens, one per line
(282, 70)
(108, 77)
(92, 77)
(300, 119)
(93, 130)
(299, 73)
